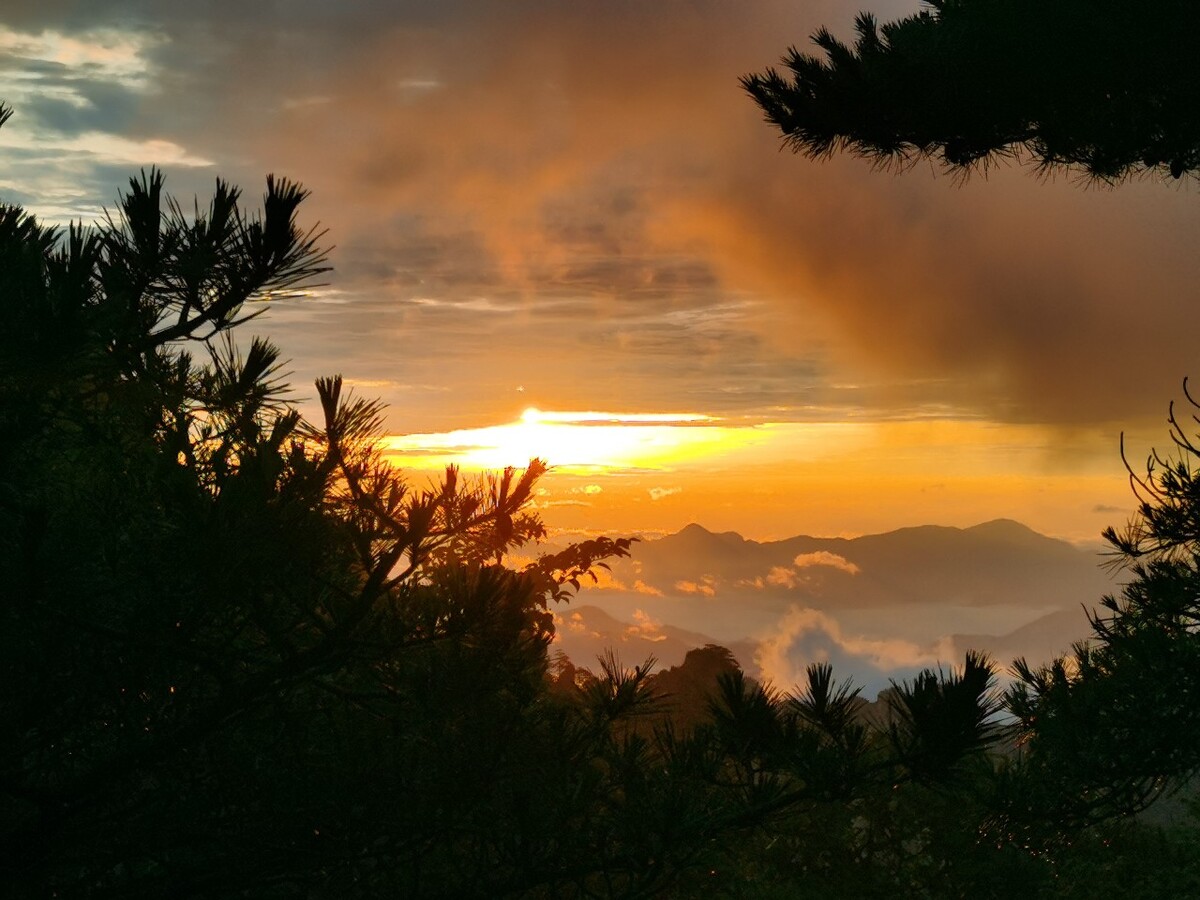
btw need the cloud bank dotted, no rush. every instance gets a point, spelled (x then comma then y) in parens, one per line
(590, 192)
(807, 636)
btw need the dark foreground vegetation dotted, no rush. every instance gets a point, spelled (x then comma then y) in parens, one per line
(1107, 88)
(242, 657)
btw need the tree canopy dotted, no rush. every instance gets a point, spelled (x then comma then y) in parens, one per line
(240, 653)
(1109, 87)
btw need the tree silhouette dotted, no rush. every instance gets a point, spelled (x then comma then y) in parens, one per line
(1111, 90)
(1101, 85)
(241, 653)
(1113, 725)
(846, 798)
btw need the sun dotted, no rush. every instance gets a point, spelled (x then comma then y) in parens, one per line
(578, 442)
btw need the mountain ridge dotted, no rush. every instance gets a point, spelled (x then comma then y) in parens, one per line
(876, 605)
(997, 561)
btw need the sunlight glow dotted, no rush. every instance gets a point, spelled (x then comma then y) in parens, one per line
(770, 480)
(577, 441)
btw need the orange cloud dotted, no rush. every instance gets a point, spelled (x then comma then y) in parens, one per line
(825, 558)
(655, 177)
(494, 171)
(607, 581)
(781, 576)
(657, 493)
(805, 636)
(645, 628)
(706, 586)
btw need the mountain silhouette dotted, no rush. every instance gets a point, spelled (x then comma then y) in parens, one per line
(998, 586)
(1040, 640)
(997, 562)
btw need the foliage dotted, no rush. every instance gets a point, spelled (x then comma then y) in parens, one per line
(1109, 89)
(1106, 86)
(242, 654)
(1113, 725)
(857, 799)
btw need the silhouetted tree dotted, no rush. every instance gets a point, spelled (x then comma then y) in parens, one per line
(844, 798)
(241, 655)
(1114, 724)
(1110, 89)
(1103, 85)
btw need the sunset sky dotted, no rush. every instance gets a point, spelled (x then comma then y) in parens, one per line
(562, 229)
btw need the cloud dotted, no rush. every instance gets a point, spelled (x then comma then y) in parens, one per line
(657, 493)
(706, 586)
(791, 578)
(574, 623)
(603, 180)
(107, 148)
(781, 576)
(989, 296)
(827, 559)
(607, 581)
(645, 628)
(806, 636)
(94, 55)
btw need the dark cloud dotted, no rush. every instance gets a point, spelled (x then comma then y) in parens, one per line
(598, 177)
(100, 106)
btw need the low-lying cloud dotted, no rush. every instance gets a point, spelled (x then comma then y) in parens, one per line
(806, 636)
(799, 573)
(827, 559)
(706, 586)
(645, 627)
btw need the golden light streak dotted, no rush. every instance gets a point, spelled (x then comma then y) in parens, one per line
(580, 442)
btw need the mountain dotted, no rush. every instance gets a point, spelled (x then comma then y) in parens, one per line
(999, 562)
(879, 606)
(1041, 640)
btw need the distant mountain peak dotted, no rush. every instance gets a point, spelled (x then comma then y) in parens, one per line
(699, 532)
(909, 542)
(1012, 531)
(1003, 525)
(994, 528)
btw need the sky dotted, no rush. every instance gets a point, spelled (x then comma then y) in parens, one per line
(561, 229)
